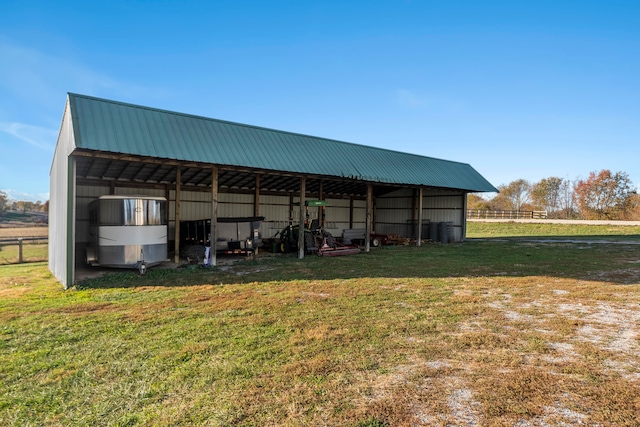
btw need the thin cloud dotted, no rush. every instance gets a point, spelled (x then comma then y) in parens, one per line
(35, 76)
(36, 136)
(22, 196)
(407, 98)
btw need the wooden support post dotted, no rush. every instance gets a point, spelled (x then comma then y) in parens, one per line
(351, 212)
(463, 236)
(214, 216)
(419, 233)
(256, 198)
(414, 214)
(321, 209)
(176, 233)
(20, 259)
(303, 189)
(368, 225)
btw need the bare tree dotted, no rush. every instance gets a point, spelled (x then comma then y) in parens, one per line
(566, 200)
(546, 194)
(512, 196)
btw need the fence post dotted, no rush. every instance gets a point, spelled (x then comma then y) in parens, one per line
(19, 250)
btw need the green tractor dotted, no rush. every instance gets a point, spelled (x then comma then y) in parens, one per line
(314, 233)
(289, 239)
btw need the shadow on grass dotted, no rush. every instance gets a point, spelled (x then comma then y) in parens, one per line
(583, 259)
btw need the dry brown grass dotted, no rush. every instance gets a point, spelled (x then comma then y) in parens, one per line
(532, 352)
(24, 231)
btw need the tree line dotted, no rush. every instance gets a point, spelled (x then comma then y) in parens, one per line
(21, 205)
(603, 195)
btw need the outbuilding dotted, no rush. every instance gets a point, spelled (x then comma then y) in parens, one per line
(207, 168)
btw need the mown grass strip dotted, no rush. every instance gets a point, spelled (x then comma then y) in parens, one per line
(550, 230)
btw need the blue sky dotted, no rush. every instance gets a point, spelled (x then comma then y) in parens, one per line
(518, 89)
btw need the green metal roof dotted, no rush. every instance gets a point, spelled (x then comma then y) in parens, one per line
(117, 127)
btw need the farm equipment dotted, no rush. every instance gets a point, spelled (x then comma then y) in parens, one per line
(316, 239)
(127, 232)
(338, 249)
(356, 235)
(235, 236)
(289, 239)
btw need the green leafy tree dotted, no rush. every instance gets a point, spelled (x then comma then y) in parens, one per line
(604, 195)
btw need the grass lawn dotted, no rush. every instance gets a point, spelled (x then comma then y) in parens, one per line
(488, 332)
(31, 252)
(553, 231)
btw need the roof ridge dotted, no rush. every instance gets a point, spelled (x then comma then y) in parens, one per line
(195, 116)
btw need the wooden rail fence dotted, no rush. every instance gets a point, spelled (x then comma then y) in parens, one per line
(9, 241)
(505, 214)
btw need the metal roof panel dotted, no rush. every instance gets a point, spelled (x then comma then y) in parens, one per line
(117, 127)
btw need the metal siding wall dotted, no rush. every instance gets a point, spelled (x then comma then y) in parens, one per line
(91, 191)
(339, 203)
(229, 209)
(274, 200)
(359, 213)
(235, 205)
(84, 196)
(128, 191)
(275, 210)
(195, 205)
(198, 196)
(59, 203)
(439, 207)
(337, 216)
(194, 210)
(394, 213)
(235, 198)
